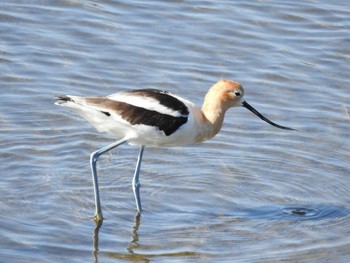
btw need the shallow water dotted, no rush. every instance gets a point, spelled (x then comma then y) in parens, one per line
(252, 194)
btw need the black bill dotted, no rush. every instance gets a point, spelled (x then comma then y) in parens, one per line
(246, 105)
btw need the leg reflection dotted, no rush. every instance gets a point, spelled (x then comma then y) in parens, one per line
(133, 243)
(134, 235)
(98, 224)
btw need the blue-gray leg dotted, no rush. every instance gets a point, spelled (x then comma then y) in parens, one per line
(93, 159)
(136, 180)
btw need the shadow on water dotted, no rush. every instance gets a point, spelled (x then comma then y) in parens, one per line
(293, 212)
(132, 256)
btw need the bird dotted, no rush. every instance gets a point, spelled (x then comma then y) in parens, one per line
(154, 117)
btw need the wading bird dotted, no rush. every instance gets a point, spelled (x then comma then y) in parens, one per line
(151, 117)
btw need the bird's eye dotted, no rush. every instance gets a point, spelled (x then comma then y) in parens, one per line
(237, 93)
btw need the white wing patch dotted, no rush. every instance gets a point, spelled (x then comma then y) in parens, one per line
(147, 103)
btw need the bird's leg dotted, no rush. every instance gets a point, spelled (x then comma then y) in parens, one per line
(93, 159)
(136, 181)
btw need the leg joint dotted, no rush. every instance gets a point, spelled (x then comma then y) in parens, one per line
(137, 185)
(94, 156)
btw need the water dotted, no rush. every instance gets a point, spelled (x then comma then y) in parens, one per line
(252, 194)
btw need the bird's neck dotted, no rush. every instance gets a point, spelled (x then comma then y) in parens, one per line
(212, 119)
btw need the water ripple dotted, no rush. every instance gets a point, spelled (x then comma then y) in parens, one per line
(300, 212)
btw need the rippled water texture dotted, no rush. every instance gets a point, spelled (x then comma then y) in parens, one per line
(252, 194)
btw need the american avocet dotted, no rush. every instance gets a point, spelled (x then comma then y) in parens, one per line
(156, 118)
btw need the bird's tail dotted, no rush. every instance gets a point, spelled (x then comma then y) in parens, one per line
(61, 99)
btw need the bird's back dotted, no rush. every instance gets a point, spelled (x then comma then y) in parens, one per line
(145, 116)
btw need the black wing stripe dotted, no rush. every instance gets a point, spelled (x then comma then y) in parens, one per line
(138, 115)
(164, 98)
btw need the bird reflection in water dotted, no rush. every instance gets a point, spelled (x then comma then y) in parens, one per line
(131, 255)
(132, 246)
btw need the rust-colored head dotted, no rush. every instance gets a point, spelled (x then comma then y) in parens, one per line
(226, 94)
